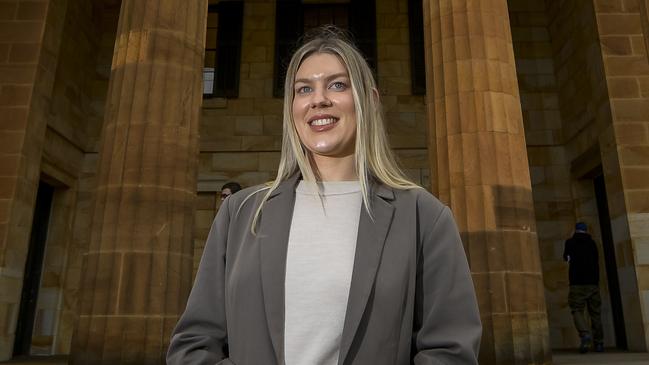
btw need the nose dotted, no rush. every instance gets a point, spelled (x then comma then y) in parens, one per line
(320, 99)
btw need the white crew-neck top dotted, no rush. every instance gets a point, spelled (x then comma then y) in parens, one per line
(319, 263)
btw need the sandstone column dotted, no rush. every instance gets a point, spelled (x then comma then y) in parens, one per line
(477, 137)
(138, 269)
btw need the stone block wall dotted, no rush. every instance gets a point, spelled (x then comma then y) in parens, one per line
(584, 116)
(240, 139)
(30, 35)
(624, 30)
(57, 124)
(76, 246)
(85, 68)
(568, 95)
(549, 168)
(405, 113)
(72, 122)
(587, 83)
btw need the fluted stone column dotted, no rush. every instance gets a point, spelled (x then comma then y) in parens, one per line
(138, 269)
(478, 143)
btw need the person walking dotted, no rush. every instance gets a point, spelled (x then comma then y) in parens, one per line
(581, 254)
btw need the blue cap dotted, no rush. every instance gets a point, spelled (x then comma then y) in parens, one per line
(581, 226)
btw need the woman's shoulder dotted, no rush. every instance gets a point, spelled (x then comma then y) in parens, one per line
(428, 212)
(424, 200)
(251, 190)
(243, 197)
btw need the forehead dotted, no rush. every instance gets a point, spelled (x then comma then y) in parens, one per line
(320, 65)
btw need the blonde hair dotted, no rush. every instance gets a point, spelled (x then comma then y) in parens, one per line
(373, 156)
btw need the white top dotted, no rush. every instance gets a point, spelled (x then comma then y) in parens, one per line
(319, 263)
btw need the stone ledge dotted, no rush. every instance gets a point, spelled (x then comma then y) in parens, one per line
(215, 103)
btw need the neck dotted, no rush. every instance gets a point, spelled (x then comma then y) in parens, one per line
(335, 168)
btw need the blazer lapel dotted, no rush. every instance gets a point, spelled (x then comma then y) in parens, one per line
(369, 247)
(273, 232)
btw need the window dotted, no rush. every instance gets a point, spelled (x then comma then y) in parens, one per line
(223, 49)
(295, 17)
(417, 61)
(316, 15)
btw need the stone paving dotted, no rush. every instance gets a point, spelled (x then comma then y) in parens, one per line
(39, 360)
(608, 358)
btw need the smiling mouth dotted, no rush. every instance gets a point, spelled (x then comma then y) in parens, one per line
(323, 121)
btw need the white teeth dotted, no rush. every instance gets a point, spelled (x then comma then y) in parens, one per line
(323, 121)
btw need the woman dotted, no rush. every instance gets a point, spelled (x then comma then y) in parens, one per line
(340, 260)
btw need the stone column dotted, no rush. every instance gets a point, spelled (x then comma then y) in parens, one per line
(138, 269)
(476, 132)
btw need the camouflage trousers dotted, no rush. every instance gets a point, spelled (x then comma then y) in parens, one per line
(584, 297)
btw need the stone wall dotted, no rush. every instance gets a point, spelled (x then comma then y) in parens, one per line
(241, 138)
(549, 170)
(73, 121)
(405, 113)
(581, 45)
(104, 19)
(30, 35)
(625, 147)
(576, 61)
(585, 116)
(59, 123)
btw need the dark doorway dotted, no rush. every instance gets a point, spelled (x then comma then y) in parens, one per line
(610, 263)
(33, 269)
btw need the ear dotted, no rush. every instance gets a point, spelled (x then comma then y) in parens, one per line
(376, 95)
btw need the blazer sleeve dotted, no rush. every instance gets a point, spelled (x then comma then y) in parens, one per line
(447, 328)
(201, 332)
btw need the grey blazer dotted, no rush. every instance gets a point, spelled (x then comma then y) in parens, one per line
(411, 298)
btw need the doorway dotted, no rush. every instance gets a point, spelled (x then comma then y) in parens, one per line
(33, 270)
(609, 261)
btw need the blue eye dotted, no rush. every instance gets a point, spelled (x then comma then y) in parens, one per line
(338, 85)
(303, 89)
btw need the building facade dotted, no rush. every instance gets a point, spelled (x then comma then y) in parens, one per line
(121, 120)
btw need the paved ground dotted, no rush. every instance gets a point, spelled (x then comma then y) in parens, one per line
(560, 358)
(608, 358)
(39, 360)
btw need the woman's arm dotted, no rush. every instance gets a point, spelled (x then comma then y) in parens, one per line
(447, 328)
(201, 332)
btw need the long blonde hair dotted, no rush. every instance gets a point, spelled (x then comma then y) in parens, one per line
(373, 156)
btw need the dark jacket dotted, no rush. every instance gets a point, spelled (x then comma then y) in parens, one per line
(411, 298)
(581, 252)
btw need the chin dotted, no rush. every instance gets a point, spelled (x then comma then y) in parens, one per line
(323, 152)
(330, 153)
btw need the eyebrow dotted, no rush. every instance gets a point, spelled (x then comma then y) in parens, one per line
(330, 77)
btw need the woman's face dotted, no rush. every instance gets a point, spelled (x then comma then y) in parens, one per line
(323, 106)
